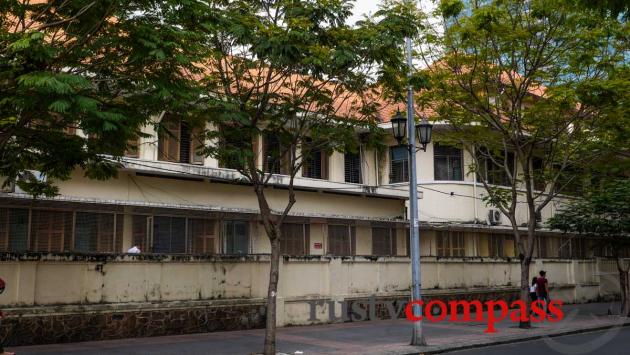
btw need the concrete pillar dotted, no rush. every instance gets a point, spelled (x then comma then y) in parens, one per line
(318, 234)
(127, 237)
(210, 162)
(336, 167)
(363, 238)
(148, 147)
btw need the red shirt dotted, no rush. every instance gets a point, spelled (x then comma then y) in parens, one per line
(541, 282)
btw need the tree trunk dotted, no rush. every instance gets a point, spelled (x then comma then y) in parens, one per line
(624, 283)
(524, 294)
(274, 273)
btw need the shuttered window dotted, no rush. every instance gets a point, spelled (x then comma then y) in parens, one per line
(543, 250)
(51, 231)
(383, 241)
(341, 240)
(14, 229)
(447, 163)
(168, 140)
(133, 148)
(276, 156)
(236, 237)
(496, 245)
(233, 145)
(179, 142)
(169, 235)
(315, 162)
(140, 232)
(295, 239)
(201, 236)
(352, 168)
(97, 232)
(450, 244)
(399, 165)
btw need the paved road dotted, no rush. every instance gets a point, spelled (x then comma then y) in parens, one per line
(355, 338)
(602, 342)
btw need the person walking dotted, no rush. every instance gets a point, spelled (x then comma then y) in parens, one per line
(532, 290)
(542, 289)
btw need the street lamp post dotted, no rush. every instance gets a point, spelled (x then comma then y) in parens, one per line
(400, 128)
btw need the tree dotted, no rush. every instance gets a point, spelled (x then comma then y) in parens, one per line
(287, 83)
(96, 68)
(604, 214)
(513, 78)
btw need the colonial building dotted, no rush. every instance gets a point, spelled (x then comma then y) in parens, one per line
(203, 263)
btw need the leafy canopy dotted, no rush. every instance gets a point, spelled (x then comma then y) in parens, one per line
(101, 68)
(604, 214)
(298, 70)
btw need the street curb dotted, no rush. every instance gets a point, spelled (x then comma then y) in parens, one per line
(512, 340)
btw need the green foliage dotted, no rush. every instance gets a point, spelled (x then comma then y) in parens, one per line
(604, 214)
(298, 70)
(101, 67)
(544, 80)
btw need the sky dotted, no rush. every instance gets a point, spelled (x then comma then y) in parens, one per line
(362, 7)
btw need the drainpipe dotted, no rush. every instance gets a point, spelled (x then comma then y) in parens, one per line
(475, 189)
(376, 167)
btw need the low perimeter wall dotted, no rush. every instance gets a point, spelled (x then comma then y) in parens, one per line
(64, 298)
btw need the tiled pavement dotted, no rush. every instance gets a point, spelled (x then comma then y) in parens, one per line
(376, 337)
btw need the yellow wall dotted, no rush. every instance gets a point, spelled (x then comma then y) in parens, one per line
(57, 280)
(132, 188)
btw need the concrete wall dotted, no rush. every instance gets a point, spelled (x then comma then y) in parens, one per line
(119, 280)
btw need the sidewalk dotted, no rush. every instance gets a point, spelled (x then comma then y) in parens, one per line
(377, 337)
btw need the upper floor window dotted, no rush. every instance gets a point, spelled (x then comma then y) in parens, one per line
(276, 157)
(352, 168)
(450, 244)
(295, 239)
(493, 166)
(399, 164)
(179, 142)
(133, 148)
(538, 169)
(383, 241)
(448, 162)
(315, 161)
(570, 182)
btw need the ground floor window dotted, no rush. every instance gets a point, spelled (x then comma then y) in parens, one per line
(451, 244)
(51, 231)
(169, 235)
(14, 229)
(341, 239)
(383, 241)
(236, 237)
(496, 245)
(202, 236)
(98, 232)
(295, 239)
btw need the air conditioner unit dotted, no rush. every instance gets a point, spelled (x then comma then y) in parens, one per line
(494, 217)
(8, 188)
